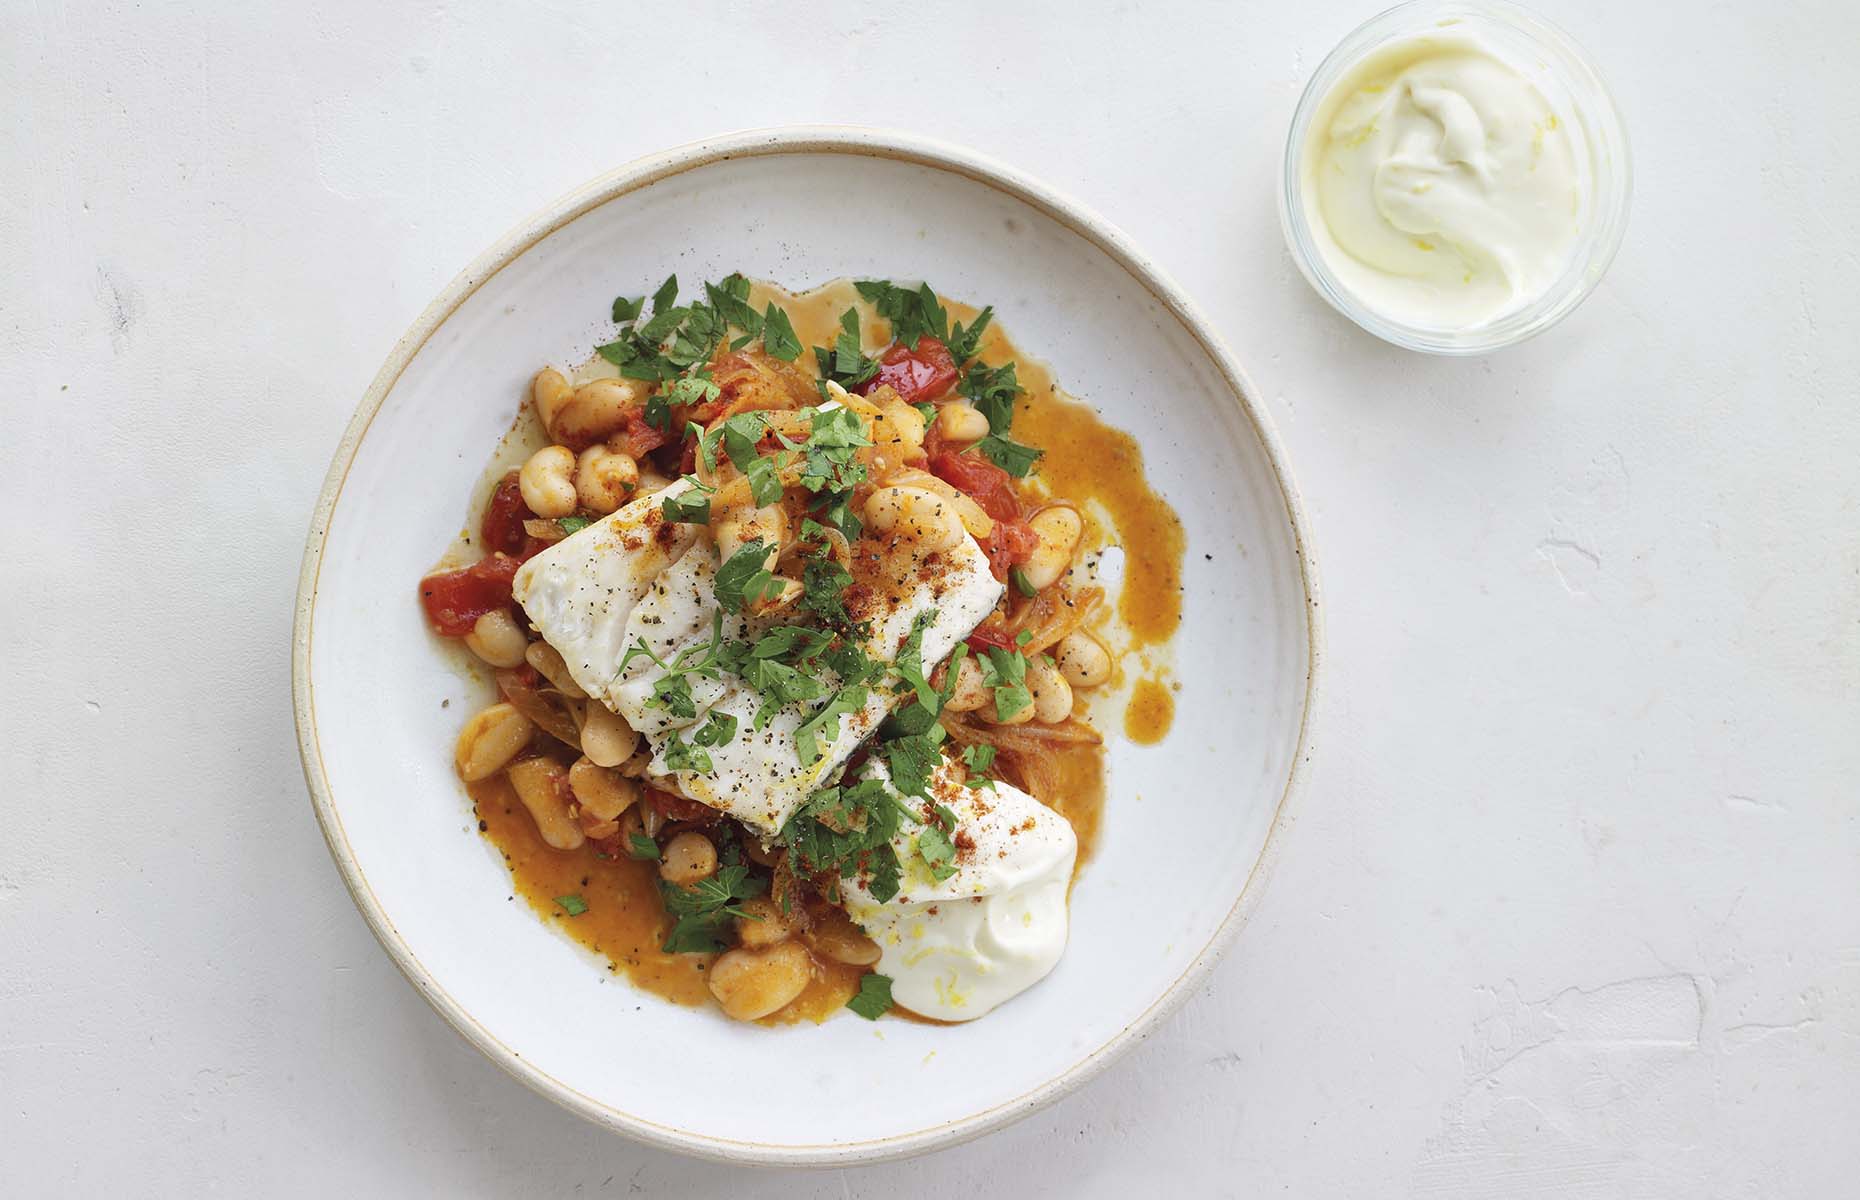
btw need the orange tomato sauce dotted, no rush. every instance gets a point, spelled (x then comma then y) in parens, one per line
(625, 922)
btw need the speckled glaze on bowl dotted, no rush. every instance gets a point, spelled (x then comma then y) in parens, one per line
(378, 707)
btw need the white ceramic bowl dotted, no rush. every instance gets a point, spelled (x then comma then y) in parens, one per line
(378, 705)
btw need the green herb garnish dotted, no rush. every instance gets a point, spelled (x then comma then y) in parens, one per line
(846, 363)
(672, 690)
(1017, 460)
(909, 663)
(845, 830)
(912, 759)
(978, 758)
(937, 851)
(873, 999)
(826, 723)
(675, 346)
(667, 295)
(962, 342)
(832, 447)
(702, 910)
(744, 578)
(719, 729)
(915, 719)
(574, 906)
(1006, 673)
(778, 335)
(690, 507)
(912, 312)
(823, 588)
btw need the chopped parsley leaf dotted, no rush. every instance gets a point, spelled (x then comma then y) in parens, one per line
(702, 910)
(850, 699)
(744, 578)
(659, 412)
(832, 447)
(681, 755)
(695, 388)
(1017, 460)
(675, 346)
(993, 391)
(778, 337)
(740, 434)
(574, 906)
(642, 847)
(731, 299)
(1019, 579)
(962, 342)
(797, 641)
(912, 759)
(873, 999)
(846, 830)
(573, 524)
(851, 663)
(837, 511)
(719, 729)
(690, 507)
(1006, 672)
(667, 295)
(915, 719)
(672, 690)
(937, 851)
(764, 481)
(910, 660)
(978, 758)
(846, 363)
(912, 312)
(823, 591)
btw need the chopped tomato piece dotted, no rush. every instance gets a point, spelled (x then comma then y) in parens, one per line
(1010, 544)
(677, 808)
(504, 514)
(934, 442)
(982, 481)
(918, 374)
(984, 638)
(638, 439)
(454, 600)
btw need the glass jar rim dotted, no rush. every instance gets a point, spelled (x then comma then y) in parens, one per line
(1580, 84)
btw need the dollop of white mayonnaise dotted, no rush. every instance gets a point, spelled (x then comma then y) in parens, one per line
(956, 948)
(1440, 185)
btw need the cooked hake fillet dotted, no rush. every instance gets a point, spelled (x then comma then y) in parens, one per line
(633, 578)
(579, 592)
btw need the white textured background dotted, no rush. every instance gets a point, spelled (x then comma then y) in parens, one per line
(1572, 907)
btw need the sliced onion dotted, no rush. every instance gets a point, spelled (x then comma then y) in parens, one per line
(546, 708)
(1029, 738)
(1052, 615)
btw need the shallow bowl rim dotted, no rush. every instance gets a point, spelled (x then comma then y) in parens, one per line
(638, 174)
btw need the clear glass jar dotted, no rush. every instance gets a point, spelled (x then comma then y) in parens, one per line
(1559, 69)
